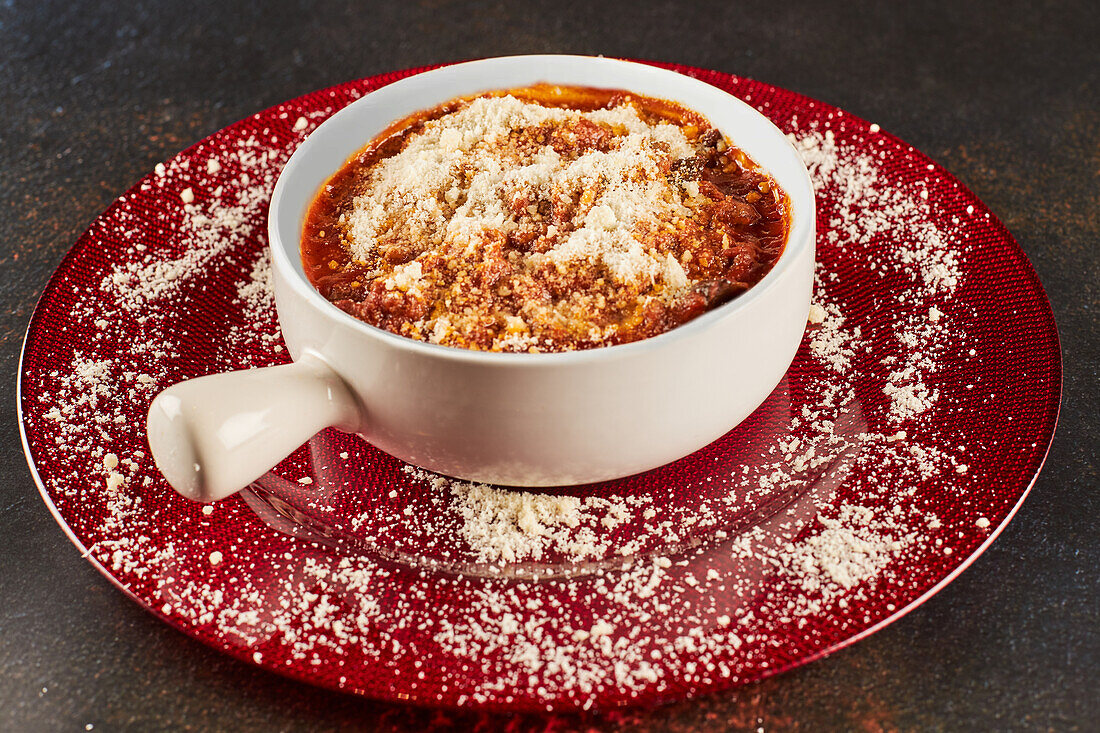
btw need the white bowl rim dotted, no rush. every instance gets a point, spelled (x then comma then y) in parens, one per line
(802, 218)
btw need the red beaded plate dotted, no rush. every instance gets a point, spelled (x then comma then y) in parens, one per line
(905, 435)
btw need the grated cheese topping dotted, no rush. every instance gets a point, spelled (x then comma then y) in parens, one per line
(469, 157)
(509, 224)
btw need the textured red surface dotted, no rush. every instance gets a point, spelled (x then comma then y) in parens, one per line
(370, 545)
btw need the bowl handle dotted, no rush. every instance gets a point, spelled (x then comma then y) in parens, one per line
(214, 435)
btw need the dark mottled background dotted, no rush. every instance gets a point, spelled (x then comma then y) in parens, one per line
(1004, 94)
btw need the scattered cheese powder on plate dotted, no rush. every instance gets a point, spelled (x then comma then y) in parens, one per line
(904, 435)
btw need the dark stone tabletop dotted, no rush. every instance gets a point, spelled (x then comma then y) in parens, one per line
(1006, 95)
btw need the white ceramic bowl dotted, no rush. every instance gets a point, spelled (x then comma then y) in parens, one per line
(512, 419)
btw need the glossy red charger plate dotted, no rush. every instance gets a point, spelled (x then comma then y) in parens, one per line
(907, 432)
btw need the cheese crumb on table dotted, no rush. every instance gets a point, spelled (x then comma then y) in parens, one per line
(115, 481)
